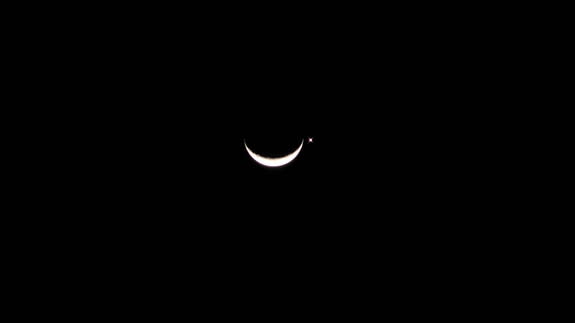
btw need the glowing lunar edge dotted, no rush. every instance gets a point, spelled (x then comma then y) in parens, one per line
(274, 162)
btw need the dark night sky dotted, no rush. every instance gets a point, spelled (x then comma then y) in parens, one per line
(177, 147)
(144, 178)
(158, 156)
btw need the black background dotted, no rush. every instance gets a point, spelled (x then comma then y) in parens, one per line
(162, 110)
(148, 166)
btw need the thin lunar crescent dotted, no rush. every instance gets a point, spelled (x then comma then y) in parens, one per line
(274, 162)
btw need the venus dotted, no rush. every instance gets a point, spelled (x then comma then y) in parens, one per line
(274, 162)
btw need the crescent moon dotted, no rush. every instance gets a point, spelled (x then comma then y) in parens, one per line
(274, 162)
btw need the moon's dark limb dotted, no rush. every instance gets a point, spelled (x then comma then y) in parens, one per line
(273, 146)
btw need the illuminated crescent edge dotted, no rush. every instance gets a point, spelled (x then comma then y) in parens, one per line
(274, 162)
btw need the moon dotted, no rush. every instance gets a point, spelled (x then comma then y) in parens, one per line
(274, 162)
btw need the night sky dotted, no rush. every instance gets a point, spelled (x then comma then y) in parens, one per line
(376, 157)
(157, 166)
